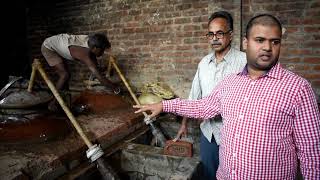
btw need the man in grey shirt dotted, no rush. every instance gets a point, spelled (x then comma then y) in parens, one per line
(223, 61)
(85, 48)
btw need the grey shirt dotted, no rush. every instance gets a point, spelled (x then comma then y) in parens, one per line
(208, 75)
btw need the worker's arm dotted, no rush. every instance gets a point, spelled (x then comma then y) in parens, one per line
(83, 55)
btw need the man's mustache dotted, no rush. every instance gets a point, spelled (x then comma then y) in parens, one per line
(215, 43)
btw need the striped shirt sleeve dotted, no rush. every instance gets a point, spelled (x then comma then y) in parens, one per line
(306, 133)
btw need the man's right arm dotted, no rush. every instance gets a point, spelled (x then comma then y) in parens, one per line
(205, 108)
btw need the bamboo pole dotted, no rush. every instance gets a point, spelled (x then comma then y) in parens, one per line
(33, 74)
(94, 153)
(109, 69)
(56, 94)
(155, 130)
(112, 61)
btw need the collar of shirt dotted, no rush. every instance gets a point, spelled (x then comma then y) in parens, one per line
(275, 72)
(227, 57)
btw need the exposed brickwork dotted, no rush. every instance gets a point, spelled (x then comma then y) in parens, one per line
(164, 40)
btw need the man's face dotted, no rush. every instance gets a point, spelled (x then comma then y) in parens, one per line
(97, 51)
(219, 27)
(262, 47)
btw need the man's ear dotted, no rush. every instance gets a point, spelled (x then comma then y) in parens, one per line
(231, 35)
(244, 43)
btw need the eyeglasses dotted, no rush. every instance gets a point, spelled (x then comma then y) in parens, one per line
(218, 34)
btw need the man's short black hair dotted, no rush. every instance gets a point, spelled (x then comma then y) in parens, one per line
(263, 19)
(222, 14)
(98, 40)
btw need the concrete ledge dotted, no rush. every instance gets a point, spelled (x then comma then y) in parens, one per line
(148, 162)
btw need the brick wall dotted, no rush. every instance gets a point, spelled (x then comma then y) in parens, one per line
(164, 40)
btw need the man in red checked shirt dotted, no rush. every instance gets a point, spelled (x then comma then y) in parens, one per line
(270, 115)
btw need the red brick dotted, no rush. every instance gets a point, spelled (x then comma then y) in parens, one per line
(311, 76)
(150, 10)
(312, 60)
(128, 30)
(182, 7)
(316, 83)
(132, 24)
(184, 34)
(316, 67)
(134, 12)
(302, 67)
(141, 42)
(312, 29)
(200, 5)
(292, 60)
(292, 29)
(311, 21)
(201, 47)
(179, 148)
(157, 28)
(182, 20)
(299, 51)
(134, 49)
(191, 27)
(200, 19)
(312, 44)
(165, 22)
(172, 14)
(141, 30)
(316, 37)
(295, 21)
(183, 47)
(313, 13)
